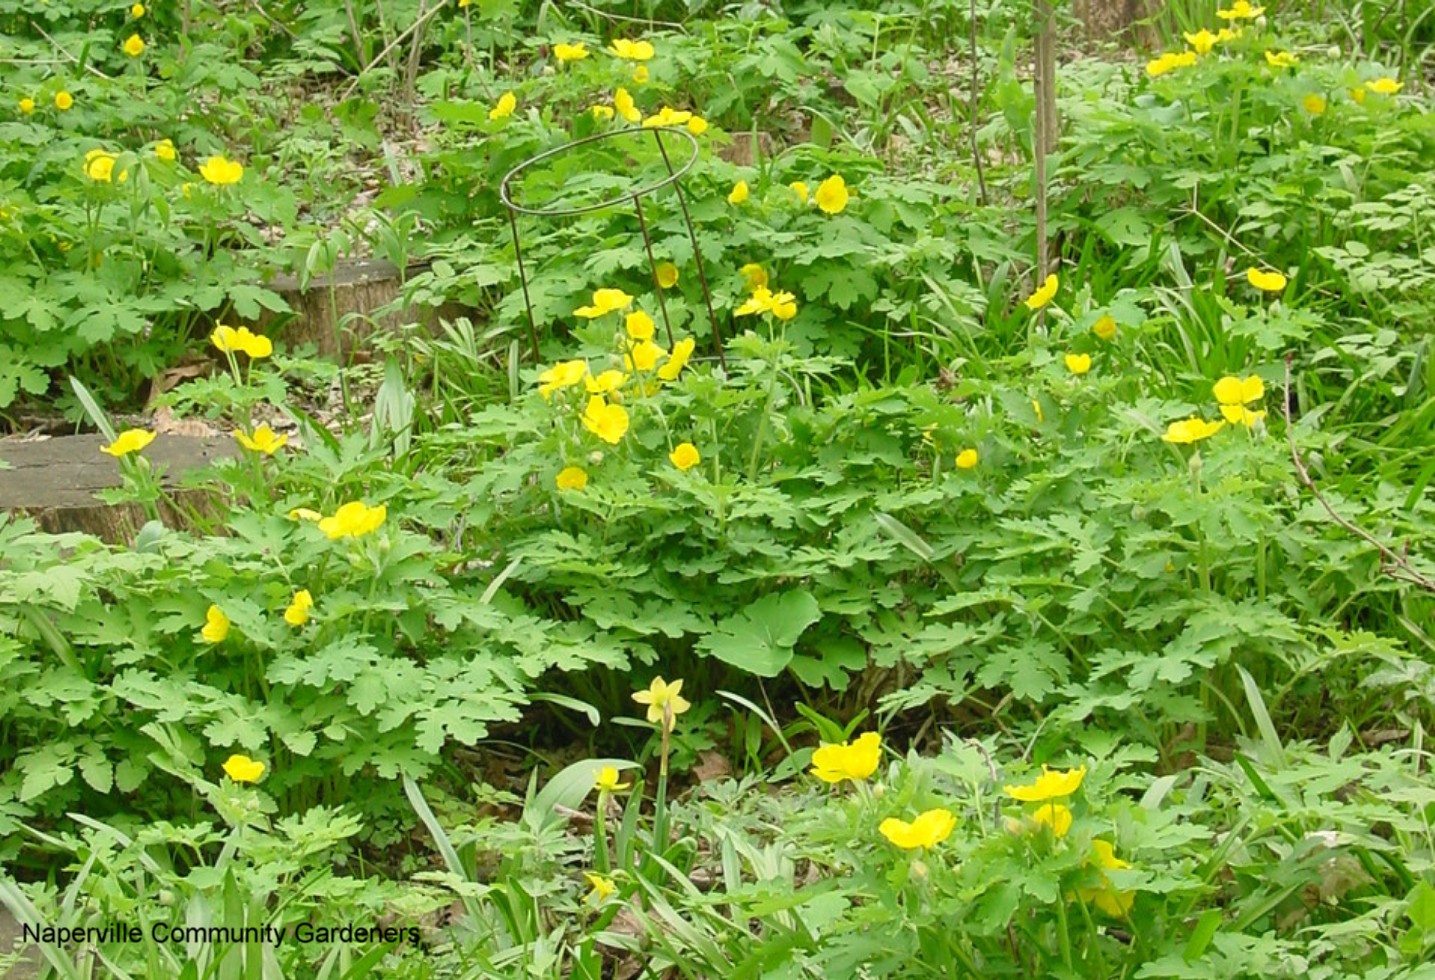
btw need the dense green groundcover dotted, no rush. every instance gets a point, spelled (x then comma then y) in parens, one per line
(812, 439)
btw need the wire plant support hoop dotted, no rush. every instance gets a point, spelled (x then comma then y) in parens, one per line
(635, 196)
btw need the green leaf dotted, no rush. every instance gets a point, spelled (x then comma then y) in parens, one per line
(1421, 906)
(760, 637)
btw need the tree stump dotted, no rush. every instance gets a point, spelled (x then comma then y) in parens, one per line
(55, 482)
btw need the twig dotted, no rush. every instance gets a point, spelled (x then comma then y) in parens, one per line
(73, 60)
(393, 44)
(1392, 564)
(271, 18)
(632, 20)
(972, 110)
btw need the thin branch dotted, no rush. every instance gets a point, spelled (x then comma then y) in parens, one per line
(73, 60)
(393, 44)
(1392, 564)
(972, 109)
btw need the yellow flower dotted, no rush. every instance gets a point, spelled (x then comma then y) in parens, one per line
(799, 188)
(353, 520)
(1385, 86)
(664, 702)
(678, 360)
(1170, 62)
(216, 625)
(667, 116)
(603, 887)
(640, 75)
(1114, 903)
(967, 459)
(99, 165)
(739, 193)
(1313, 104)
(758, 303)
(1241, 415)
(1281, 59)
(639, 325)
(1358, 94)
(243, 769)
(1191, 430)
(928, 830)
(601, 384)
(631, 50)
(27, 105)
(605, 780)
(1055, 816)
(1228, 34)
(219, 170)
(605, 301)
(643, 356)
(164, 149)
(832, 194)
(570, 52)
(602, 112)
(1231, 390)
(1052, 784)
(137, 11)
(571, 478)
(849, 760)
(1078, 364)
(134, 46)
(264, 440)
(1202, 41)
(305, 514)
(63, 101)
(755, 275)
(685, 456)
(1241, 10)
(128, 441)
(667, 275)
(623, 102)
(507, 102)
(564, 374)
(607, 422)
(784, 305)
(697, 125)
(1044, 295)
(1105, 328)
(1270, 282)
(298, 612)
(230, 339)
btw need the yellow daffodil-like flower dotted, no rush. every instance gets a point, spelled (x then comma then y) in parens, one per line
(99, 165)
(264, 440)
(856, 760)
(243, 769)
(1241, 415)
(967, 459)
(571, 478)
(164, 149)
(1202, 41)
(1114, 903)
(678, 360)
(298, 612)
(216, 625)
(685, 456)
(564, 374)
(1052, 784)
(1269, 282)
(134, 46)
(639, 325)
(601, 384)
(1044, 295)
(1231, 390)
(1191, 430)
(623, 103)
(642, 356)
(1385, 86)
(1228, 34)
(1055, 816)
(832, 195)
(27, 105)
(664, 702)
(1078, 364)
(128, 441)
(605, 780)
(1169, 62)
(64, 101)
(221, 171)
(607, 422)
(739, 193)
(632, 50)
(507, 102)
(1313, 104)
(1281, 59)
(353, 520)
(1240, 10)
(137, 11)
(601, 112)
(602, 887)
(667, 275)
(605, 301)
(667, 116)
(697, 125)
(755, 275)
(641, 75)
(305, 514)
(570, 52)
(928, 830)
(1105, 328)
(230, 339)
(799, 187)
(784, 305)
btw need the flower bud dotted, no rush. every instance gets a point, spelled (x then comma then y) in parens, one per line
(595, 457)
(919, 870)
(1333, 52)
(1195, 464)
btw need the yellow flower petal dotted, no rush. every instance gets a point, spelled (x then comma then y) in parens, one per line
(1050, 785)
(243, 769)
(1045, 294)
(685, 456)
